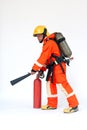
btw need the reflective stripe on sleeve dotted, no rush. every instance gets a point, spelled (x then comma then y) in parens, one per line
(38, 64)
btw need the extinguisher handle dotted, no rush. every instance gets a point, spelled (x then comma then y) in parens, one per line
(40, 74)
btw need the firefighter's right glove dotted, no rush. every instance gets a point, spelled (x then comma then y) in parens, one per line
(33, 72)
(41, 74)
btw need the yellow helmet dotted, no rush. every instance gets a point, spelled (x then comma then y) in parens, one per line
(40, 30)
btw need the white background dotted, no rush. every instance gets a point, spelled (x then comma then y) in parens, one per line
(19, 50)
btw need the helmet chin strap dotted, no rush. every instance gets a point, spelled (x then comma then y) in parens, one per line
(44, 35)
(42, 38)
(41, 41)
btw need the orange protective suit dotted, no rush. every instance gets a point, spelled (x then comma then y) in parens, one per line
(49, 48)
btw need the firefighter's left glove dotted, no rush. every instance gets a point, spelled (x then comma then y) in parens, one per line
(41, 74)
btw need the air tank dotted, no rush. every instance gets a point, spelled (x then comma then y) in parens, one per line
(64, 47)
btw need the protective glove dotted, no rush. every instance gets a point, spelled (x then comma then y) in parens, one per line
(41, 74)
(33, 72)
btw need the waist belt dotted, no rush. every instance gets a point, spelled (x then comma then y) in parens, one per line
(59, 61)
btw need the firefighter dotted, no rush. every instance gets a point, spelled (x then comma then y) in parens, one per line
(56, 74)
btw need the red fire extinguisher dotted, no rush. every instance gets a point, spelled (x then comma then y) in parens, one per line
(37, 92)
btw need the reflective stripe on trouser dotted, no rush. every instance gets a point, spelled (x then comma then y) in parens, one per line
(71, 97)
(52, 94)
(60, 78)
(66, 88)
